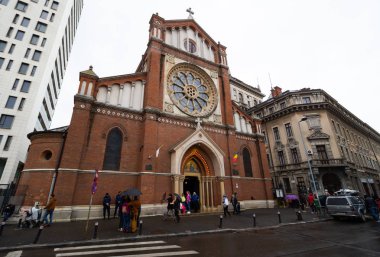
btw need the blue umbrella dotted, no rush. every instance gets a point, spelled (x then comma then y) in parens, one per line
(131, 192)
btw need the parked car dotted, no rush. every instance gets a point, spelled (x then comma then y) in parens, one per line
(346, 206)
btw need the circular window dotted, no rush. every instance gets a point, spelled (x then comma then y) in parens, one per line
(46, 155)
(192, 47)
(192, 90)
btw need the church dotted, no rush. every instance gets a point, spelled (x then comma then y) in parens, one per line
(177, 124)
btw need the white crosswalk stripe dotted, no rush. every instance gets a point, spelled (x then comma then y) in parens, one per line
(14, 254)
(132, 249)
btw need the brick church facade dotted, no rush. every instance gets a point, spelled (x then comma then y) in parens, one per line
(171, 126)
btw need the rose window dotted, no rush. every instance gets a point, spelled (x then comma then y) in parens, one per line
(192, 90)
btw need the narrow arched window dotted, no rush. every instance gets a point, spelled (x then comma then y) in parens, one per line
(113, 150)
(247, 163)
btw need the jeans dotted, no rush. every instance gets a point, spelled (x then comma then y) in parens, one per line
(126, 222)
(374, 213)
(50, 213)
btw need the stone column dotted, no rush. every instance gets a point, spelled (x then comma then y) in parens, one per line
(179, 38)
(187, 39)
(176, 183)
(212, 193)
(202, 47)
(221, 181)
(120, 95)
(132, 94)
(142, 94)
(197, 43)
(207, 199)
(181, 179)
(108, 94)
(172, 35)
(203, 198)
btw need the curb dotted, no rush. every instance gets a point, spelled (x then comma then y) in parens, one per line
(144, 237)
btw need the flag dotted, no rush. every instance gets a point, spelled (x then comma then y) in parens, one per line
(95, 182)
(235, 158)
(158, 151)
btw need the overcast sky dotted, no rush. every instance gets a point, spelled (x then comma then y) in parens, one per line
(332, 45)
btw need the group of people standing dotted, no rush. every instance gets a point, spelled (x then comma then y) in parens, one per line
(189, 202)
(235, 204)
(127, 208)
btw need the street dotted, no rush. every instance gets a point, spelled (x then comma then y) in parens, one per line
(343, 238)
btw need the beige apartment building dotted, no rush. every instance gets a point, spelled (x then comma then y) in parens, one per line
(309, 135)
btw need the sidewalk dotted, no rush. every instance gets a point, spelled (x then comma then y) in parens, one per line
(71, 233)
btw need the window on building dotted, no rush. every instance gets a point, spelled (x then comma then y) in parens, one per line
(4, 2)
(41, 27)
(21, 105)
(34, 39)
(25, 86)
(11, 49)
(46, 110)
(21, 6)
(288, 189)
(288, 129)
(281, 158)
(10, 32)
(43, 42)
(1, 62)
(254, 102)
(52, 16)
(8, 143)
(54, 5)
(322, 154)
(36, 55)
(15, 19)
(10, 104)
(15, 84)
(271, 109)
(47, 2)
(282, 105)
(241, 98)
(23, 68)
(20, 35)
(113, 150)
(295, 157)
(33, 72)
(44, 14)
(247, 163)
(9, 65)
(276, 134)
(27, 52)
(306, 100)
(192, 47)
(6, 121)
(25, 22)
(301, 186)
(3, 45)
(42, 122)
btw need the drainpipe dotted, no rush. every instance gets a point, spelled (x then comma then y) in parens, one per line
(55, 176)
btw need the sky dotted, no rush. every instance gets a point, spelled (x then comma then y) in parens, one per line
(331, 45)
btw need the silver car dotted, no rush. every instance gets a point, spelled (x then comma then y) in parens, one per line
(346, 206)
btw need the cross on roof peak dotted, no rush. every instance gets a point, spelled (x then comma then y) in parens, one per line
(198, 121)
(190, 13)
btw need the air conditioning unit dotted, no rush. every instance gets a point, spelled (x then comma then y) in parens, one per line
(309, 152)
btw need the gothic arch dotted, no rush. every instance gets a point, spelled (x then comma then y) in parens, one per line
(107, 129)
(247, 162)
(112, 153)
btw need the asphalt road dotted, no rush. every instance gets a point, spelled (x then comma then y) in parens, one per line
(331, 238)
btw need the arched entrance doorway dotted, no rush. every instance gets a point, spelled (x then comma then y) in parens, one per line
(198, 178)
(331, 182)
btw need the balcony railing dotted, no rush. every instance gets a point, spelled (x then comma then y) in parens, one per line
(314, 163)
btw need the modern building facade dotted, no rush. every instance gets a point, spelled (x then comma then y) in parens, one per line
(309, 124)
(36, 38)
(169, 127)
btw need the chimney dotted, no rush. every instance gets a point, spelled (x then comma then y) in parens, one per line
(276, 91)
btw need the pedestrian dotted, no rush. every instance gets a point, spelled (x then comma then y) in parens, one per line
(8, 211)
(371, 206)
(225, 204)
(195, 201)
(135, 213)
(36, 214)
(121, 219)
(234, 202)
(126, 210)
(183, 204)
(106, 206)
(188, 201)
(176, 206)
(310, 200)
(49, 210)
(118, 201)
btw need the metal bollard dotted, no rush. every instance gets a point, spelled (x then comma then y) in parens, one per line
(299, 215)
(95, 230)
(254, 219)
(2, 227)
(19, 223)
(279, 217)
(38, 234)
(220, 221)
(140, 227)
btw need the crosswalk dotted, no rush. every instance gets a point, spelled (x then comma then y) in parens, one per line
(132, 249)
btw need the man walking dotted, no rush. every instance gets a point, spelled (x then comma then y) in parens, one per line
(106, 206)
(49, 209)
(118, 200)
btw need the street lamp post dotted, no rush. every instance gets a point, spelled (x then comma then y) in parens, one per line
(309, 161)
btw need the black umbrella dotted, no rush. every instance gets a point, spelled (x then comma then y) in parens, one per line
(131, 192)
